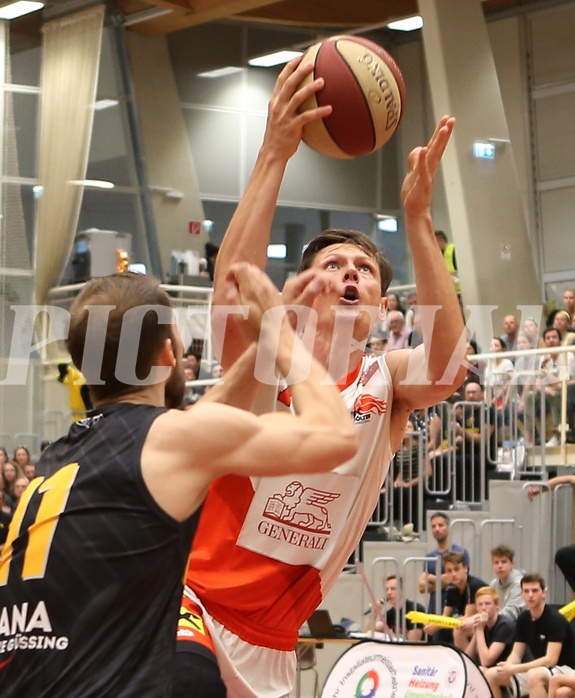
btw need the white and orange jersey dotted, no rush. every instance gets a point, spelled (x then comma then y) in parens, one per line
(267, 550)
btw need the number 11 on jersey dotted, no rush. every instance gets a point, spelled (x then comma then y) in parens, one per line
(54, 492)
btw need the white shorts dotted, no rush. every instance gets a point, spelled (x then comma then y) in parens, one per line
(520, 685)
(249, 671)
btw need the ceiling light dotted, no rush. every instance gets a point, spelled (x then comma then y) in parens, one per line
(220, 72)
(387, 224)
(275, 58)
(93, 183)
(277, 251)
(408, 24)
(102, 104)
(20, 8)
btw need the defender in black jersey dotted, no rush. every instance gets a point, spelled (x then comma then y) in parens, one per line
(91, 573)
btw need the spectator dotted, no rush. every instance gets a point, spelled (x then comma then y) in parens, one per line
(511, 327)
(475, 441)
(523, 377)
(568, 305)
(211, 256)
(193, 392)
(416, 336)
(394, 303)
(406, 477)
(549, 638)
(412, 309)
(475, 367)
(440, 524)
(79, 398)
(448, 251)
(22, 456)
(398, 335)
(531, 329)
(562, 323)
(217, 371)
(553, 369)
(20, 485)
(29, 471)
(493, 632)
(10, 473)
(507, 581)
(498, 373)
(459, 598)
(393, 621)
(376, 344)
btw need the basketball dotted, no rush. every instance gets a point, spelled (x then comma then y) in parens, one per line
(366, 90)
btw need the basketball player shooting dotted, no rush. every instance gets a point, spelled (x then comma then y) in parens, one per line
(257, 571)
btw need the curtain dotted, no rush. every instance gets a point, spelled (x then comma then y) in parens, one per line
(70, 61)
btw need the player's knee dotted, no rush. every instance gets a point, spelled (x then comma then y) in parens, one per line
(537, 677)
(196, 675)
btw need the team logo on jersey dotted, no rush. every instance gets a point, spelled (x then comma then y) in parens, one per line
(366, 405)
(189, 624)
(301, 507)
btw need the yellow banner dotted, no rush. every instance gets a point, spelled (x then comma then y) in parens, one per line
(433, 619)
(568, 611)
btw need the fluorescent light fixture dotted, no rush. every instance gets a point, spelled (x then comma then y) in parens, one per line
(277, 251)
(276, 58)
(483, 150)
(387, 224)
(137, 268)
(102, 104)
(408, 24)
(93, 183)
(20, 8)
(221, 72)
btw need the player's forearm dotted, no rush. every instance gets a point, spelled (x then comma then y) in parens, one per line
(248, 233)
(315, 396)
(435, 288)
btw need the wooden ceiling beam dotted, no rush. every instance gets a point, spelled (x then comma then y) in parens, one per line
(334, 13)
(185, 13)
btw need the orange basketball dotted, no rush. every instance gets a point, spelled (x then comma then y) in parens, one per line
(366, 90)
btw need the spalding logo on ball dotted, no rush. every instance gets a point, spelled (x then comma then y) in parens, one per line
(366, 90)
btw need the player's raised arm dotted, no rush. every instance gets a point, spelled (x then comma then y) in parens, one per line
(248, 234)
(433, 370)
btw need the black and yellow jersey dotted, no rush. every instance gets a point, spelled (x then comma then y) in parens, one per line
(91, 574)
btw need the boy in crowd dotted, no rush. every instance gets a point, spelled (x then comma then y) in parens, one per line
(393, 620)
(549, 638)
(507, 581)
(459, 598)
(493, 633)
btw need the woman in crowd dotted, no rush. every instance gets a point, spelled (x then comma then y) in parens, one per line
(497, 374)
(10, 473)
